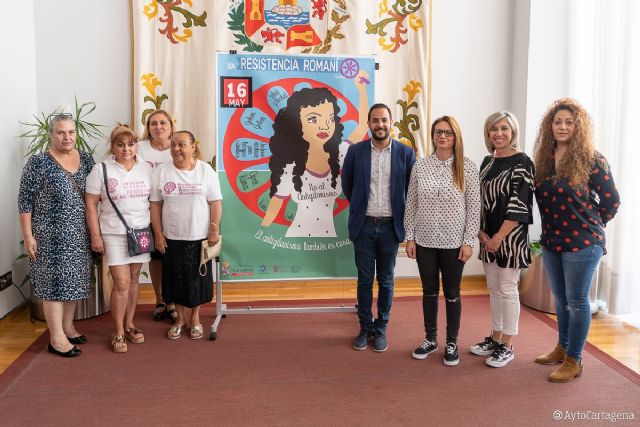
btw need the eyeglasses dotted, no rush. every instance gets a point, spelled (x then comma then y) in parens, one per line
(62, 116)
(59, 117)
(445, 132)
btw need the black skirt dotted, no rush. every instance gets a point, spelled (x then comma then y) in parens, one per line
(181, 280)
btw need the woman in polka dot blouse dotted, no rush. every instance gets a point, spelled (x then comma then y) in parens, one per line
(442, 219)
(577, 197)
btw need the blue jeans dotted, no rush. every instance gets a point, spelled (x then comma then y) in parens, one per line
(570, 275)
(376, 249)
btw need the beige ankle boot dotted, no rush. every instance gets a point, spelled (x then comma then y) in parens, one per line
(569, 370)
(556, 356)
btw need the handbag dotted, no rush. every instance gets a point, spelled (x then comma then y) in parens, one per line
(208, 253)
(139, 240)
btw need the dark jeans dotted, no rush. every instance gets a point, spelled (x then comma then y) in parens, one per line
(431, 263)
(570, 275)
(376, 249)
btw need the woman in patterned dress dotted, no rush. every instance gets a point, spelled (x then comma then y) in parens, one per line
(52, 217)
(506, 184)
(576, 197)
(442, 218)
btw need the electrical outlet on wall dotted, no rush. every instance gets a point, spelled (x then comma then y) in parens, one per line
(6, 280)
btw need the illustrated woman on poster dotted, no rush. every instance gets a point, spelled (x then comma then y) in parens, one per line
(307, 150)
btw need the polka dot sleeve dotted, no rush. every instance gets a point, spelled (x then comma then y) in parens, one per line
(601, 181)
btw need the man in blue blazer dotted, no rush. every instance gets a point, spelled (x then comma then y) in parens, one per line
(375, 178)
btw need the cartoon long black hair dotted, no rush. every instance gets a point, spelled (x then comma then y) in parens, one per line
(287, 145)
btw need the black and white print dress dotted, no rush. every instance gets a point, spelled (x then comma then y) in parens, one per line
(62, 268)
(506, 185)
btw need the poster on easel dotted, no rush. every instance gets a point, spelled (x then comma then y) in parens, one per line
(285, 123)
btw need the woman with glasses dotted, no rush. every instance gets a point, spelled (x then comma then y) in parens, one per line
(56, 240)
(442, 219)
(576, 197)
(128, 185)
(506, 183)
(155, 149)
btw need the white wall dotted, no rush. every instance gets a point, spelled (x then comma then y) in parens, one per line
(83, 49)
(18, 102)
(472, 53)
(57, 50)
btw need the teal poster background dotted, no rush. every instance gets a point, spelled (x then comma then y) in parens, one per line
(296, 226)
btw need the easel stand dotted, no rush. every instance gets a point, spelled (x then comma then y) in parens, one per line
(222, 310)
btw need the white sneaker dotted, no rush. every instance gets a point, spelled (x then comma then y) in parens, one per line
(501, 356)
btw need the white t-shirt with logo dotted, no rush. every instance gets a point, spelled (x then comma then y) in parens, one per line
(152, 156)
(129, 190)
(185, 196)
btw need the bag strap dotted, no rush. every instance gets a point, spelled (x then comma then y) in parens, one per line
(115, 208)
(68, 174)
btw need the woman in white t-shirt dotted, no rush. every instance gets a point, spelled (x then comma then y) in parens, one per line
(186, 207)
(155, 149)
(129, 185)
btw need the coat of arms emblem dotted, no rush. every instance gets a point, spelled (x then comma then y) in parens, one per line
(286, 23)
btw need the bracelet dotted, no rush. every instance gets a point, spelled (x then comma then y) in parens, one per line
(213, 223)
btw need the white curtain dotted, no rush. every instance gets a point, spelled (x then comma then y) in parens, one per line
(604, 75)
(174, 45)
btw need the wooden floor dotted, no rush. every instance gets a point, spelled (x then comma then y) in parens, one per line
(616, 338)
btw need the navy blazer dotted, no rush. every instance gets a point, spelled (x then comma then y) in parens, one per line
(356, 180)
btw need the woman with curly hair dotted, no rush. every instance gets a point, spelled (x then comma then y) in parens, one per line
(307, 151)
(577, 197)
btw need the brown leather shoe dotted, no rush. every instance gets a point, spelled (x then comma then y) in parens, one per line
(556, 356)
(569, 370)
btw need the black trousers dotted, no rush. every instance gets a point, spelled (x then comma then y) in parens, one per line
(431, 263)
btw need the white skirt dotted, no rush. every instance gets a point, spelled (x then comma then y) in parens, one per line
(117, 252)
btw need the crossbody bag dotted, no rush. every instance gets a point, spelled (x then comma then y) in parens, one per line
(139, 240)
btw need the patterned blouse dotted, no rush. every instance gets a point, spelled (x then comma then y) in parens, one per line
(573, 218)
(506, 185)
(439, 215)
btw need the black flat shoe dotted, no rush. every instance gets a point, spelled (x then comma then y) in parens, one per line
(75, 351)
(80, 339)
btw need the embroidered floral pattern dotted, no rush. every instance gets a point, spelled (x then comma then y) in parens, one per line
(171, 10)
(399, 12)
(410, 122)
(150, 82)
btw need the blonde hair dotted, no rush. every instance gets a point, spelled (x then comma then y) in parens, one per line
(457, 168)
(577, 162)
(122, 132)
(513, 124)
(147, 134)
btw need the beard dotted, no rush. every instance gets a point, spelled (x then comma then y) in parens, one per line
(383, 137)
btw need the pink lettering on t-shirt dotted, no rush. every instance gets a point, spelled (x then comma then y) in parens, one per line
(187, 189)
